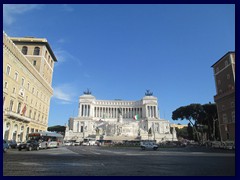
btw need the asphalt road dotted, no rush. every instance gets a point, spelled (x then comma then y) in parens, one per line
(116, 161)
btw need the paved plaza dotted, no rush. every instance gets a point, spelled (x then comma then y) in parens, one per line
(119, 161)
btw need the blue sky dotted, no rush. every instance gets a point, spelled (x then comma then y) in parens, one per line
(119, 51)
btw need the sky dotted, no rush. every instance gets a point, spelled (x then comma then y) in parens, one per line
(120, 51)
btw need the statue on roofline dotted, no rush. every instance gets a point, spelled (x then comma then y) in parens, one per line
(148, 93)
(87, 92)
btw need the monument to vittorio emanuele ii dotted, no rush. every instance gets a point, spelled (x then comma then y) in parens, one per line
(119, 120)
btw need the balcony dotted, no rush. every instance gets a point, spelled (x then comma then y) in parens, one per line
(14, 115)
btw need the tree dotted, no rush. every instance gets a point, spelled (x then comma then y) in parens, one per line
(190, 132)
(58, 129)
(202, 119)
(194, 113)
(211, 119)
(182, 132)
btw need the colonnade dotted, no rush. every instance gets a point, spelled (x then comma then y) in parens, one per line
(113, 112)
(152, 111)
(85, 110)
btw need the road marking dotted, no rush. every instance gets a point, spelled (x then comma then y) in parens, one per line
(95, 152)
(198, 153)
(30, 164)
(77, 164)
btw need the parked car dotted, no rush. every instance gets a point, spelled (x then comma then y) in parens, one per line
(76, 144)
(12, 144)
(148, 145)
(67, 143)
(18, 143)
(5, 145)
(29, 145)
(229, 145)
(217, 144)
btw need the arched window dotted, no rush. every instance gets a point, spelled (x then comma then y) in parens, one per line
(36, 51)
(14, 135)
(7, 129)
(24, 50)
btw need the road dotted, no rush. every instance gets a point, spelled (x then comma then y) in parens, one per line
(119, 161)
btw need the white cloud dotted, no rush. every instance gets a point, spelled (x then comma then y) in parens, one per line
(63, 56)
(64, 93)
(61, 40)
(10, 11)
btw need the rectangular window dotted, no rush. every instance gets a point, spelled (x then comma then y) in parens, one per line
(14, 90)
(23, 81)
(11, 105)
(223, 107)
(19, 108)
(34, 115)
(8, 70)
(28, 85)
(34, 62)
(224, 118)
(16, 76)
(30, 113)
(5, 84)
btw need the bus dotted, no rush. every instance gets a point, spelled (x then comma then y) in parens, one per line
(46, 139)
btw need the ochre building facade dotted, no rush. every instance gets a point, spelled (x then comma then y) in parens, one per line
(28, 65)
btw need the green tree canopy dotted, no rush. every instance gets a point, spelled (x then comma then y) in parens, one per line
(57, 128)
(197, 115)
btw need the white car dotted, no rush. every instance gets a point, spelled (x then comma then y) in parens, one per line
(217, 144)
(148, 145)
(67, 143)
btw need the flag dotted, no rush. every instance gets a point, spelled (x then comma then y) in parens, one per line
(136, 117)
(24, 110)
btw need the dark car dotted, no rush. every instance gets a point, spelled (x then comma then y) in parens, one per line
(5, 146)
(29, 145)
(12, 144)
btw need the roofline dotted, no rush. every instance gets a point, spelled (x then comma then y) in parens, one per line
(229, 52)
(35, 40)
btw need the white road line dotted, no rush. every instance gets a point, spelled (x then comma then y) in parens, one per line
(95, 152)
(30, 164)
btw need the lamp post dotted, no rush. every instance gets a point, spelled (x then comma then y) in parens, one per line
(201, 127)
(214, 137)
(154, 132)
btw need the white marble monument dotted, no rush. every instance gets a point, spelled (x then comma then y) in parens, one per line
(119, 120)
